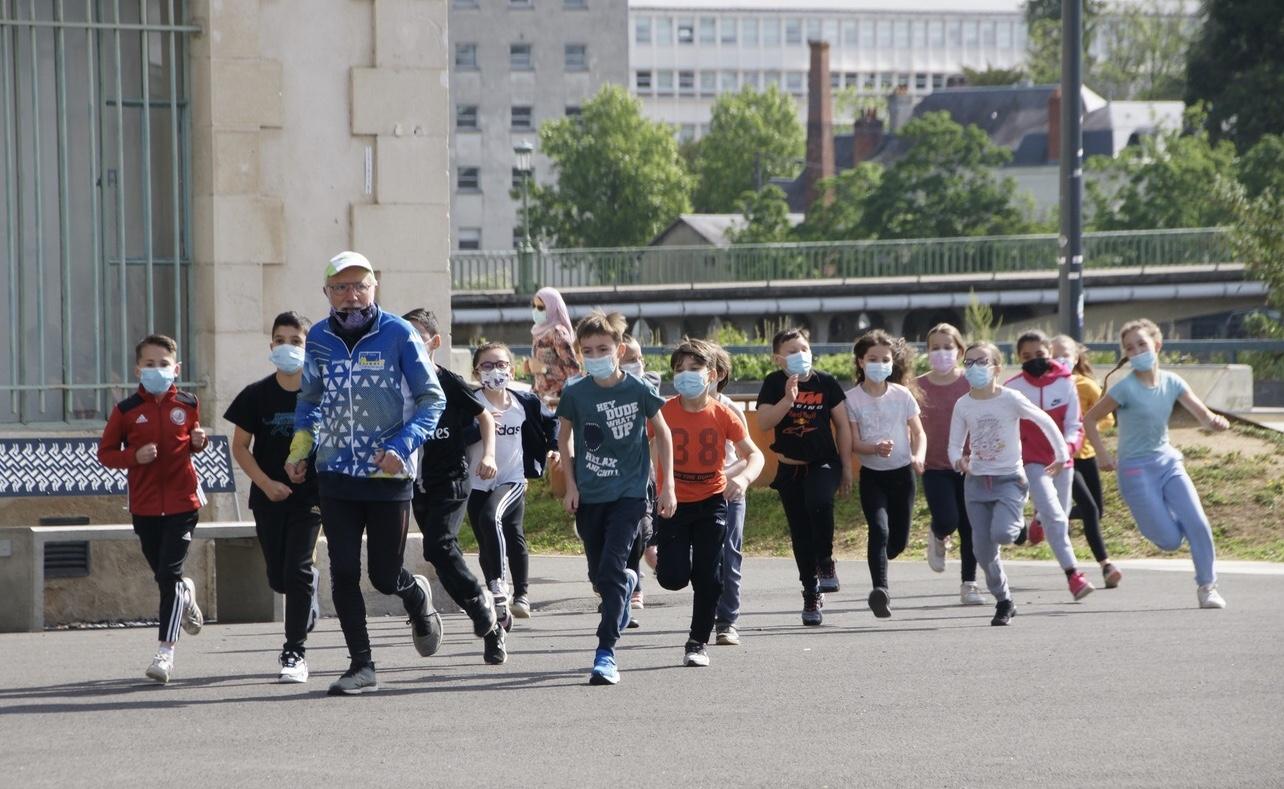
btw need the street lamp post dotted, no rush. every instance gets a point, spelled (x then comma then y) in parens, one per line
(522, 152)
(1070, 240)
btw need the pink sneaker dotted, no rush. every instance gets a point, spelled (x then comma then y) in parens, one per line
(1036, 533)
(1079, 586)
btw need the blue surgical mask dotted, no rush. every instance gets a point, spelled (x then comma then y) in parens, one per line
(1143, 362)
(798, 363)
(878, 371)
(538, 316)
(600, 367)
(287, 358)
(156, 380)
(690, 384)
(979, 377)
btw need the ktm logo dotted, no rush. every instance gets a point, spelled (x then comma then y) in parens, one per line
(810, 398)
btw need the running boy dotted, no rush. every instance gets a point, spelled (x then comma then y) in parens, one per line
(995, 485)
(1152, 477)
(1049, 385)
(602, 418)
(153, 434)
(942, 386)
(690, 542)
(441, 491)
(813, 446)
(888, 437)
(287, 517)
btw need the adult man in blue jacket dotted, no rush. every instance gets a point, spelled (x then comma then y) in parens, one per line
(369, 398)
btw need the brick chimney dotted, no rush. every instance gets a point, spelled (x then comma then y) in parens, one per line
(1054, 126)
(867, 136)
(820, 136)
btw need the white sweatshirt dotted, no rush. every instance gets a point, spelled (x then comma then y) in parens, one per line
(993, 428)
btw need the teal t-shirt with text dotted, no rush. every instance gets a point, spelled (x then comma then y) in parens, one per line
(1144, 412)
(612, 458)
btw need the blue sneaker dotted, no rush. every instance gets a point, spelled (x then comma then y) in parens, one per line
(604, 671)
(630, 584)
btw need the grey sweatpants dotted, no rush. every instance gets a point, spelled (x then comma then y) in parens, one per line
(995, 508)
(1051, 504)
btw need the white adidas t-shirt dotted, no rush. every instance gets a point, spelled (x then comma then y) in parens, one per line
(508, 447)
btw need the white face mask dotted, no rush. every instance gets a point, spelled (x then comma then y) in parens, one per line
(494, 379)
(632, 368)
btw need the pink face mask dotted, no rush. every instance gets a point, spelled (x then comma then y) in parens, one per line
(943, 361)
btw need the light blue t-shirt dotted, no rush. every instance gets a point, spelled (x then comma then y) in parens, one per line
(612, 457)
(1144, 412)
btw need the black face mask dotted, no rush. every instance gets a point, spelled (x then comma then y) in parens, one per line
(1037, 366)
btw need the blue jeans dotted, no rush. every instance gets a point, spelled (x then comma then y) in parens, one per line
(1166, 507)
(608, 531)
(732, 556)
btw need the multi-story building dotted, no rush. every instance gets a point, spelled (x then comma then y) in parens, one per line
(684, 53)
(517, 64)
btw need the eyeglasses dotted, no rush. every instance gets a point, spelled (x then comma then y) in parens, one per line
(486, 367)
(342, 288)
(976, 362)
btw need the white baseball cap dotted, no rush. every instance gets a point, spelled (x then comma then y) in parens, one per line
(346, 260)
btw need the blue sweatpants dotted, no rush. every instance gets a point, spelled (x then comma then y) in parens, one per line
(732, 556)
(1166, 507)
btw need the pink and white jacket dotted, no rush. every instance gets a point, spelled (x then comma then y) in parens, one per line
(1055, 393)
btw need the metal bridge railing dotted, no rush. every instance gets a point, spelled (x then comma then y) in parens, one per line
(523, 272)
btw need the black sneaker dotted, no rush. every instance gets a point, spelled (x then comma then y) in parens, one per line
(425, 627)
(496, 649)
(695, 654)
(879, 602)
(503, 617)
(481, 610)
(358, 679)
(1022, 536)
(827, 572)
(1003, 613)
(812, 603)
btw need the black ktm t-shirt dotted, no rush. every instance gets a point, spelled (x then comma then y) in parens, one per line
(444, 457)
(266, 411)
(805, 433)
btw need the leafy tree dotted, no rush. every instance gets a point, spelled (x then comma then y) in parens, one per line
(1043, 47)
(751, 133)
(944, 186)
(1162, 183)
(1237, 65)
(843, 219)
(1262, 167)
(766, 217)
(1146, 45)
(991, 75)
(620, 179)
(1255, 234)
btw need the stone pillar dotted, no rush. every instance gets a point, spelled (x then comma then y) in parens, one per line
(820, 134)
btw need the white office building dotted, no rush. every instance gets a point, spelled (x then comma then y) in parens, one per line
(683, 53)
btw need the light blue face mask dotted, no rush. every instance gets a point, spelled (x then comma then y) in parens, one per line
(1143, 362)
(600, 367)
(287, 358)
(690, 384)
(156, 380)
(979, 377)
(538, 316)
(878, 371)
(798, 363)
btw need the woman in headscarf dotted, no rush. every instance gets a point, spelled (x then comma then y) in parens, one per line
(552, 359)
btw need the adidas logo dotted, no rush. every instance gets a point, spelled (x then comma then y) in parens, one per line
(142, 419)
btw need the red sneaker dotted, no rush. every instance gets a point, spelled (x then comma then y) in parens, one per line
(1079, 586)
(1036, 533)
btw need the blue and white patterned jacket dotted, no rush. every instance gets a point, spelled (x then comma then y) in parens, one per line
(383, 394)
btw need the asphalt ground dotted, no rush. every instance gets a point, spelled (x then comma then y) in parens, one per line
(1131, 687)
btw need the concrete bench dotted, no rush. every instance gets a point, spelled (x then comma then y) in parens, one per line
(241, 592)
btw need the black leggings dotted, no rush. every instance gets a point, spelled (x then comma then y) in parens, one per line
(807, 495)
(164, 540)
(439, 511)
(943, 490)
(1086, 494)
(385, 524)
(496, 517)
(887, 499)
(288, 537)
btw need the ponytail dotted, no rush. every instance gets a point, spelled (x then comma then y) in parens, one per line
(1105, 384)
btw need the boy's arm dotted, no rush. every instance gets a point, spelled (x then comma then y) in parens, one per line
(275, 491)
(750, 463)
(843, 434)
(430, 399)
(307, 415)
(112, 451)
(667, 502)
(571, 501)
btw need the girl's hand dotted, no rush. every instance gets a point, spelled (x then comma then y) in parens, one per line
(963, 465)
(884, 448)
(1107, 462)
(919, 465)
(1218, 423)
(1054, 468)
(486, 469)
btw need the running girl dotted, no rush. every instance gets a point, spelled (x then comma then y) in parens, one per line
(995, 488)
(1152, 477)
(887, 436)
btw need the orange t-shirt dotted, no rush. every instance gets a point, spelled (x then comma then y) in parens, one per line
(700, 447)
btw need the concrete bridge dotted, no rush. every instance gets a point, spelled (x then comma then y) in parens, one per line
(1184, 279)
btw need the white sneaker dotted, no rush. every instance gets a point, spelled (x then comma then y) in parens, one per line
(970, 594)
(314, 608)
(695, 655)
(160, 669)
(936, 549)
(293, 668)
(193, 619)
(1209, 598)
